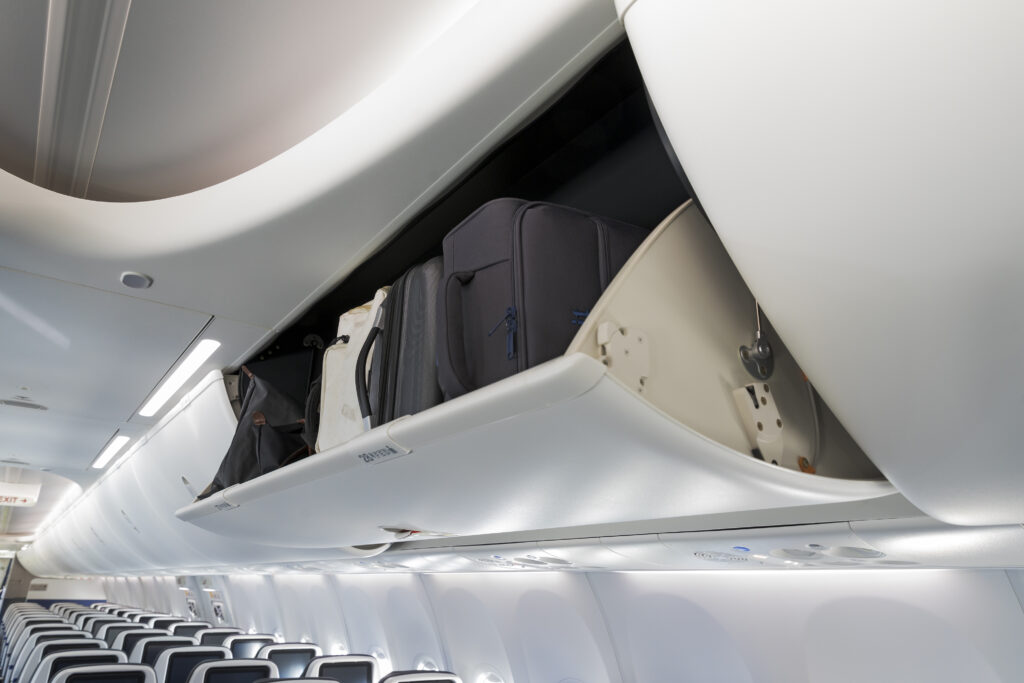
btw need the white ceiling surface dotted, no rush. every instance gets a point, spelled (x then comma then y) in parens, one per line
(22, 35)
(200, 91)
(254, 251)
(863, 167)
(207, 90)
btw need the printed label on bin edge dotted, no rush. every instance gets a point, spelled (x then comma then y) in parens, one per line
(389, 450)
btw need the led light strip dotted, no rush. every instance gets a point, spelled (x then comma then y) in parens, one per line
(199, 355)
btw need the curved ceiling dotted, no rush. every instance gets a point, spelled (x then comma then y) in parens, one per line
(127, 100)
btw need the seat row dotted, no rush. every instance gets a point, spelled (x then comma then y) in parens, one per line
(107, 643)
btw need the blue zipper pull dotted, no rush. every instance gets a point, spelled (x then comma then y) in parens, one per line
(511, 326)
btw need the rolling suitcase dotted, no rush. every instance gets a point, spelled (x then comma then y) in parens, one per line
(403, 368)
(519, 279)
(339, 407)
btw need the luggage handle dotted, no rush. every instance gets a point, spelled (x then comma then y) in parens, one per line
(453, 323)
(362, 393)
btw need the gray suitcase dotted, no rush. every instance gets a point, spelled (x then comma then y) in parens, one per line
(403, 370)
(519, 279)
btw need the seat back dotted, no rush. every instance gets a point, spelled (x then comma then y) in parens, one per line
(50, 647)
(51, 665)
(26, 645)
(215, 636)
(291, 658)
(421, 677)
(146, 651)
(109, 632)
(107, 673)
(95, 625)
(246, 645)
(31, 619)
(175, 665)
(343, 668)
(146, 617)
(164, 622)
(126, 640)
(189, 629)
(80, 618)
(233, 671)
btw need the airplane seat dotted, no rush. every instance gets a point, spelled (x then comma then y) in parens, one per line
(52, 664)
(80, 617)
(109, 632)
(246, 645)
(421, 677)
(176, 664)
(42, 650)
(233, 671)
(26, 644)
(291, 658)
(343, 668)
(293, 680)
(126, 640)
(189, 629)
(145, 618)
(87, 623)
(215, 636)
(96, 624)
(18, 628)
(164, 622)
(147, 651)
(107, 673)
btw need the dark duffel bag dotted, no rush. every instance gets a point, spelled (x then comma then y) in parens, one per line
(268, 436)
(519, 279)
(403, 368)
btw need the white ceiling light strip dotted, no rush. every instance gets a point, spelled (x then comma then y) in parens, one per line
(112, 449)
(193, 361)
(83, 42)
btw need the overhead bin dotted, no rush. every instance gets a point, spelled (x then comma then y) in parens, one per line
(594, 437)
(865, 179)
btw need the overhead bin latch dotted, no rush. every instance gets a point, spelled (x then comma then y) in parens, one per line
(763, 424)
(626, 352)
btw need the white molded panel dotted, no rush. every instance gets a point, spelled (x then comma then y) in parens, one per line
(862, 166)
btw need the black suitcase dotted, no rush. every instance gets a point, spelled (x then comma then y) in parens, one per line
(403, 369)
(519, 279)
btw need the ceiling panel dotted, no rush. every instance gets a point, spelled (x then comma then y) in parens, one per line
(47, 439)
(206, 90)
(22, 37)
(82, 351)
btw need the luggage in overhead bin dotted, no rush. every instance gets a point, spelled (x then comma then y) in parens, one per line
(268, 436)
(340, 418)
(519, 279)
(403, 366)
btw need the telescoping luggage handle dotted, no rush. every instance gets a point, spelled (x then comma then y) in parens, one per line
(362, 393)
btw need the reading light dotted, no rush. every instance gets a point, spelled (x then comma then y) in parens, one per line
(188, 367)
(112, 449)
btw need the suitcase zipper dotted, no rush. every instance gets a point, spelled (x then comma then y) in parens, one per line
(515, 315)
(510, 331)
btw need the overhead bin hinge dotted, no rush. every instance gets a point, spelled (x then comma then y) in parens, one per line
(627, 353)
(762, 423)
